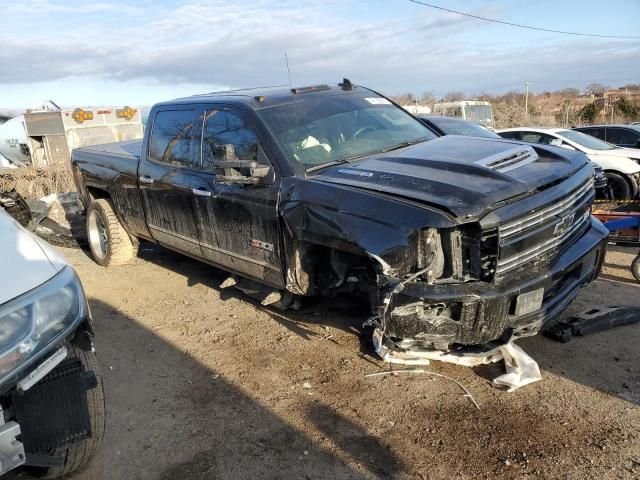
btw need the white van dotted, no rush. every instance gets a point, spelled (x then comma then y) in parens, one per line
(473, 110)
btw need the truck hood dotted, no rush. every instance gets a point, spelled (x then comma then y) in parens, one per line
(25, 261)
(464, 176)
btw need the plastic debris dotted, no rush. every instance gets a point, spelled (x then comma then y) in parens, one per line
(521, 368)
(467, 393)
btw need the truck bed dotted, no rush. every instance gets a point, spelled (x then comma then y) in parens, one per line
(129, 149)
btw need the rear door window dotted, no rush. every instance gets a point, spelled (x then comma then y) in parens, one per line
(535, 137)
(175, 138)
(622, 136)
(510, 135)
(594, 132)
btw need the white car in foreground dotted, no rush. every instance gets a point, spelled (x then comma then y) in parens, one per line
(51, 398)
(620, 165)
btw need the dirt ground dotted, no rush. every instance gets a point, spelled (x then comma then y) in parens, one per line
(203, 383)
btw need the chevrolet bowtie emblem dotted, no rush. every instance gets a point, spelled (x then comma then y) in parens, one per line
(564, 224)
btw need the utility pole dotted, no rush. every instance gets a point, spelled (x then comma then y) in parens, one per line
(611, 123)
(526, 99)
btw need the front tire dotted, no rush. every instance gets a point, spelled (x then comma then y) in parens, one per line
(78, 454)
(619, 186)
(109, 242)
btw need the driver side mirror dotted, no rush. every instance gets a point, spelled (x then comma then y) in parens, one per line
(556, 142)
(567, 146)
(232, 170)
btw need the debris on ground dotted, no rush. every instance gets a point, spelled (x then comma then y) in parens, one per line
(58, 217)
(520, 368)
(16, 206)
(593, 320)
(467, 393)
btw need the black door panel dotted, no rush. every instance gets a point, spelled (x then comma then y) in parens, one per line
(165, 179)
(238, 224)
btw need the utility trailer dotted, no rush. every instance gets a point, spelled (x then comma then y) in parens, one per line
(622, 219)
(53, 134)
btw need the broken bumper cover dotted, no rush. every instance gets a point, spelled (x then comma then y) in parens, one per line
(48, 409)
(448, 317)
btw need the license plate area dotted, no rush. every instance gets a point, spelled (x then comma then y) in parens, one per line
(528, 302)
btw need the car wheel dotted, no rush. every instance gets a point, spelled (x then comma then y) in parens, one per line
(109, 242)
(635, 268)
(619, 186)
(78, 454)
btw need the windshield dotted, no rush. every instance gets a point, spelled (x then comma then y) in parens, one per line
(468, 129)
(585, 140)
(319, 130)
(479, 113)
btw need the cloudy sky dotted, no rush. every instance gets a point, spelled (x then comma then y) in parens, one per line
(100, 52)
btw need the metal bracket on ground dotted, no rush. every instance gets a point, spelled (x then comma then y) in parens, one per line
(593, 320)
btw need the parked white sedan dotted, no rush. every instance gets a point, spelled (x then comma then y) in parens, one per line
(620, 165)
(51, 398)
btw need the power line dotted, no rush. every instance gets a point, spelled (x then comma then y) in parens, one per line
(519, 25)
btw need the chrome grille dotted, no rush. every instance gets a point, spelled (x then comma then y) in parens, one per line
(566, 217)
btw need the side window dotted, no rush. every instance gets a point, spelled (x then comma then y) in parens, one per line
(533, 137)
(175, 138)
(622, 136)
(454, 112)
(594, 132)
(227, 136)
(510, 135)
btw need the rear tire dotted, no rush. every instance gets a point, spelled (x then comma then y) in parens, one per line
(635, 268)
(109, 242)
(78, 454)
(619, 186)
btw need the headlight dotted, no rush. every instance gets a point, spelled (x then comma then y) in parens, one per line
(453, 255)
(29, 323)
(430, 255)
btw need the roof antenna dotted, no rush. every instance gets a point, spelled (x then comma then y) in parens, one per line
(293, 101)
(286, 59)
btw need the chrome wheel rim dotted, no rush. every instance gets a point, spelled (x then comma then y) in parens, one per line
(97, 231)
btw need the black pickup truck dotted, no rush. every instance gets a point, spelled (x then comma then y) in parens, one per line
(455, 241)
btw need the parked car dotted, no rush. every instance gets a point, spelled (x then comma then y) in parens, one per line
(455, 126)
(454, 241)
(621, 165)
(627, 136)
(51, 398)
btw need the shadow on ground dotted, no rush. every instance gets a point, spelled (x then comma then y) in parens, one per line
(586, 360)
(233, 435)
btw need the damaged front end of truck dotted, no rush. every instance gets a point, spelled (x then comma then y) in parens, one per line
(453, 269)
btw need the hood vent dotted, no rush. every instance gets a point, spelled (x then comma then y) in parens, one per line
(510, 159)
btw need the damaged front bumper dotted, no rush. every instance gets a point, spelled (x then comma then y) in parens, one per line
(481, 316)
(45, 410)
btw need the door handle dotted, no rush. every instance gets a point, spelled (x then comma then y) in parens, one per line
(201, 192)
(146, 179)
